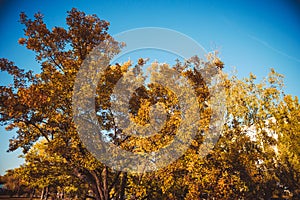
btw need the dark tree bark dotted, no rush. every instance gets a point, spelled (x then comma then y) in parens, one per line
(123, 186)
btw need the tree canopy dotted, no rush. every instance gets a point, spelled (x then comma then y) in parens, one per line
(255, 157)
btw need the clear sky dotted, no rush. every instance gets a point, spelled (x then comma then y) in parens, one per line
(253, 36)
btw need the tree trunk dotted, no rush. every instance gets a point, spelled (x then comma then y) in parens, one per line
(63, 194)
(99, 184)
(32, 193)
(43, 193)
(105, 186)
(88, 177)
(123, 186)
(47, 192)
(98, 187)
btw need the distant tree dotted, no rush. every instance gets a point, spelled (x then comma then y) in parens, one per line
(15, 185)
(49, 173)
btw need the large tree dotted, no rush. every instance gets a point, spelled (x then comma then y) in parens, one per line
(39, 107)
(254, 158)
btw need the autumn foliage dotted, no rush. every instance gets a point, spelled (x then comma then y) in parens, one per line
(38, 106)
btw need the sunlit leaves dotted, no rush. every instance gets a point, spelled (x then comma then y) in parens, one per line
(257, 155)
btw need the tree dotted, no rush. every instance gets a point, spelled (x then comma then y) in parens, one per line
(39, 105)
(242, 164)
(48, 172)
(14, 184)
(288, 127)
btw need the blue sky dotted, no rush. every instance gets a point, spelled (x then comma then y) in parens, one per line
(252, 35)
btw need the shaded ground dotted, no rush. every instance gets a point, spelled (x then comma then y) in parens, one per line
(16, 198)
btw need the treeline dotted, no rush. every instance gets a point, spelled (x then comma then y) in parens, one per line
(255, 157)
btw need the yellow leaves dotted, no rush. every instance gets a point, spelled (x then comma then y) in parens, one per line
(218, 63)
(140, 192)
(126, 65)
(195, 143)
(113, 67)
(10, 127)
(143, 115)
(123, 68)
(168, 182)
(22, 41)
(252, 76)
(226, 173)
